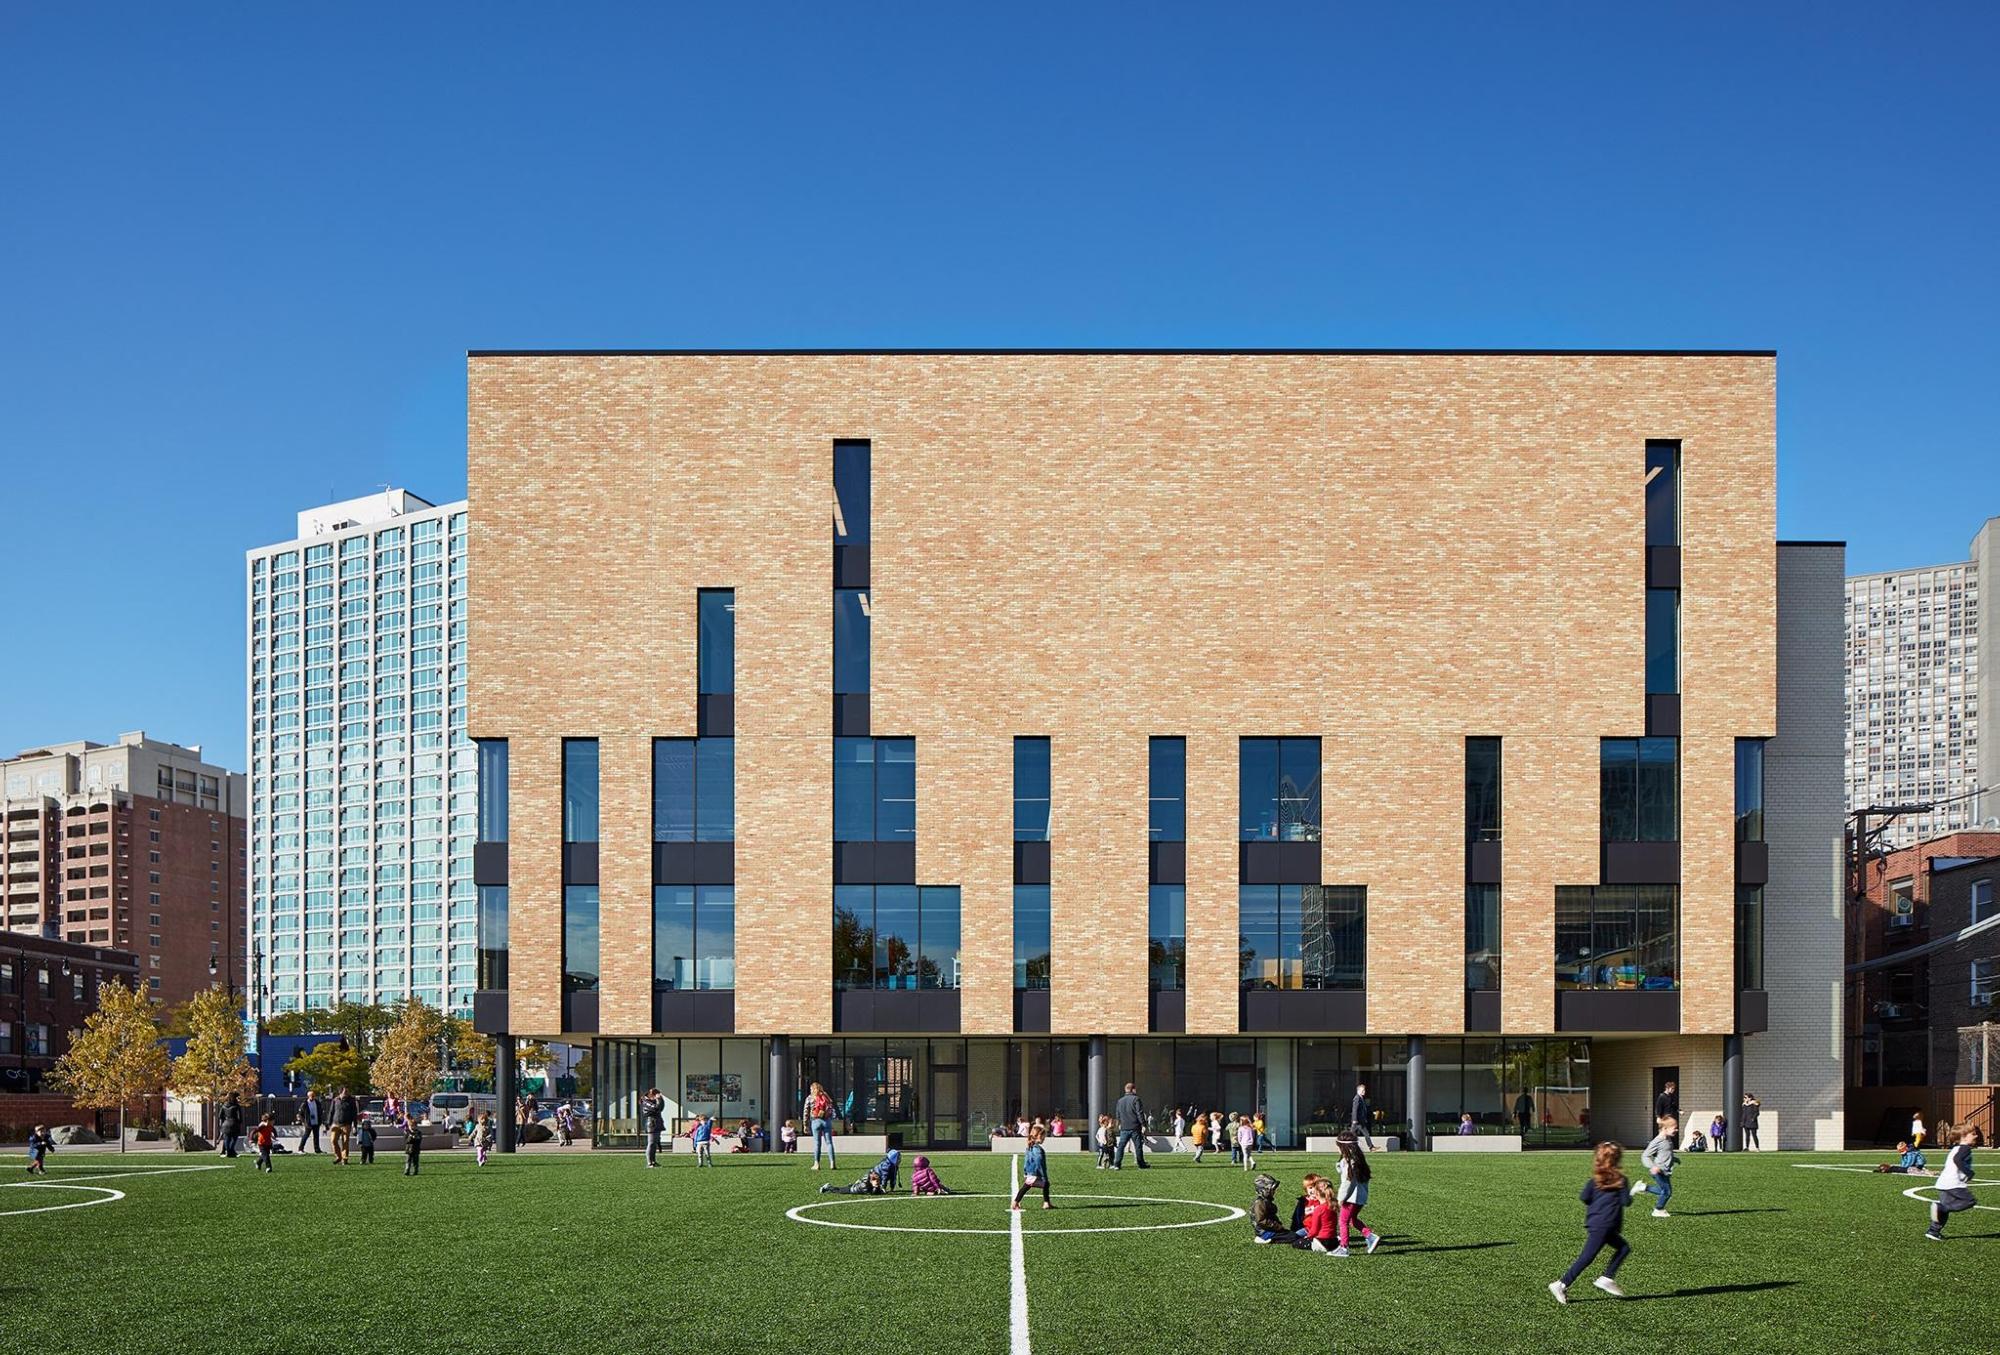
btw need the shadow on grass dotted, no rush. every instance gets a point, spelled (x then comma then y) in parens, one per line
(1392, 1246)
(1718, 1213)
(1710, 1290)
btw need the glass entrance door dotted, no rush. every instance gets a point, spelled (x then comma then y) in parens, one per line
(1239, 1089)
(947, 1106)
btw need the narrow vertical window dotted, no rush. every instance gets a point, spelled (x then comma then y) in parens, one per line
(895, 790)
(1750, 937)
(1482, 938)
(1663, 493)
(1031, 790)
(1166, 790)
(1749, 790)
(492, 937)
(579, 790)
(1031, 936)
(854, 790)
(937, 936)
(1482, 790)
(1166, 924)
(673, 936)
(852, 492)
(851, 658)
(492, 790)
(715, 937)
(715, 790)
(580, 938)
(853, 936)
(673, 790)
(1663, 641)
(715, 647)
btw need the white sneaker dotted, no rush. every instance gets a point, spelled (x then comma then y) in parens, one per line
(1261, 1240)
(1609, 1286)
(1638, 1189)
(1661, 1214)
(1319, 1246)
(1930, 1236)
(1342, 1251)
(1560, 1290)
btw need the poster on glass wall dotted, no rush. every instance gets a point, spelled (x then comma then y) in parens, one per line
(706, 1089)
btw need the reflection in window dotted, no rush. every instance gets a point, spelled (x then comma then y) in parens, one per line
(1031, 790)
(1166, 790)
(580, 942)
(1617, 936)
(492, 937)
(1749, 790)
(694, 790)
(852, 492)
(694, 937)
(1279, 790)
(1482, 938)
(1750, 936)
(579, 790)
(1303, 936)
(492, 790)
(1482, 790)
(850, 641)
(715, 654)
(937, 936)
(874, 790)
(1639, 790)
(1663, 494)
(1031, 936)
(900, 937)
(1663, 640)
(1166, 925)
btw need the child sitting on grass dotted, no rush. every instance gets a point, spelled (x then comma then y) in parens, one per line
(924, 1181)
(1909, 1161)
(1265, 1224)
(880, 1180)
(1321, 1212)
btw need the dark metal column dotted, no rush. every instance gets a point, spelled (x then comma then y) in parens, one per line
(506, 1086)
(1732, 1093)
(1093, 1083)
(778, 1089)
(1414, 1094)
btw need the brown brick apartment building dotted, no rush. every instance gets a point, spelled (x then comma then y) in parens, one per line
(47, 989)
(972, 731)
(137, 845)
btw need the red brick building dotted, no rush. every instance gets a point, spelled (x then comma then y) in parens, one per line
(137, 845)
(47, 988)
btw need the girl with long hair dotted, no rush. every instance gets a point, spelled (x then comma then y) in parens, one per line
(1603, 1196)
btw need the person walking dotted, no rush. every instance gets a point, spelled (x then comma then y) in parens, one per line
(1200, 1136)
(308, 1121)
(819, 1114)
(1131, 1115)
(265, 1138)
(364, 1139)
(1524, 1113)
(1361, 1117)
(483, 1136)
(1747, 1119)
(1667, 1105)
(230, 1123)
(1246, 1140)
(40, 1145)
(1034, 1169)
(413, 1144)
(345, 1113)
(1917, 1129)
(1603, 1197)
(1352, 1196)
(653, 1122)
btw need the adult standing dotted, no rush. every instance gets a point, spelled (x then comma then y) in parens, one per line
(345, 1111)
(1361, 1116)
(309, 1120)
(231, 1125)
(1747, 1117)
(1524, 1113)
(653, 1120)
(1131, 1115)
(1667, 1105)
(819, 1115)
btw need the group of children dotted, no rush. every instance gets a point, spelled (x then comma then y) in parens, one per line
(1327, 1212)
(264, 1138)
(884, 1178)
(1244, 1134)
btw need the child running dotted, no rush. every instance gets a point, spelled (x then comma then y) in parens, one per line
(482, 1136)
(1603, 1197)
(1246, 1143)
(1954, 1180)
(40, 1145)
(1353, 1194)
(264, 1135)
(413, 1144)
(1659, 1160)
(1180, 1131)
(1034, 1171)
(924, 1181)
(1200, 1136)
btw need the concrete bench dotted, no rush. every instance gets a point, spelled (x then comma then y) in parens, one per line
(1475, 1143)
(1068, 1143)
(1330, 1143)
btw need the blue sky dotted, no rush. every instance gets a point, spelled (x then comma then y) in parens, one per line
(243, 249)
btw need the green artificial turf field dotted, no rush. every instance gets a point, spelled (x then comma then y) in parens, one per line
(585, 1251)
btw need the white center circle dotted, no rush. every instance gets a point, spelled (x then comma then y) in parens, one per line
(105, 1193)
(1229, 1213)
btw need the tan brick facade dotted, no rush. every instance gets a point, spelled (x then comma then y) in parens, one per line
(1391, 552)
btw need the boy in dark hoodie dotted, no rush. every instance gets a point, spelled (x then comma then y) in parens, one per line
(880, 1180)
(1264, 1220)
(413, 1146)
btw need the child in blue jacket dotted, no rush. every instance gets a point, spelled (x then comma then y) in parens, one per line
(1034, 1169)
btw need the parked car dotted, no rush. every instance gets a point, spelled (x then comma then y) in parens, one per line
(455, 1108)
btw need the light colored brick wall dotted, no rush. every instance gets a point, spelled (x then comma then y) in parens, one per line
(1391, 551)
(1621, 1086)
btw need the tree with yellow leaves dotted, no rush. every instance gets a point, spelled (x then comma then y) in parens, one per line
(116, 1056)
(215, 1063)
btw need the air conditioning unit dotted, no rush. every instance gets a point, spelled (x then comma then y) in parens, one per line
(1903, 920)
(1891, 1011)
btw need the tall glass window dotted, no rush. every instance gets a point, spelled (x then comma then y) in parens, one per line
(1482, 790)
(896, 936)
(1166, 925)
(1639, 790)
(1303, 936)
(715, 653)
(673, 790)
(1749, 790)
(937, 936)
(1750, 936)
(852, 492)
(1617, 936)
(492, 937)
(694, 936)
(1031, 936)
(854, 936)
(851, 661)
(1663, 494)
(1031, 790)
(492, 790)
(895, 790)
(715, 790)
(875, 790)
(1663, 641)
(580, 791)
(580, 940)
(1482, 938)
(1279, 790)
(1166, 790)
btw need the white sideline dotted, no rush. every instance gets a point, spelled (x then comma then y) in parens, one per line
(105, 1193)
(86, 1175)
(1017, 1307)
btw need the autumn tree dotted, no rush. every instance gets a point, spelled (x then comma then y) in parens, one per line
(116, 1056)
(215, 1063)
(332, 1065)
(406, 1065)
(471, 1051)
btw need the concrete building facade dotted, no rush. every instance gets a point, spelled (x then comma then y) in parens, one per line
(1923, 679)
(970, 731)
(361, 778)
(136, 845)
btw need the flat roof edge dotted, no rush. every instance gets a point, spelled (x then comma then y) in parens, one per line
(1123, 352)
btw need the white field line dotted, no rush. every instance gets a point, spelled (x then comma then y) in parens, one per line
(1827, 1167)
(107, 1194)
(81, 1174)
(1912, 1193)
(1017, 1307)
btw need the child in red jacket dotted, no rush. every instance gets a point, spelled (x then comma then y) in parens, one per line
(1321, 1214)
